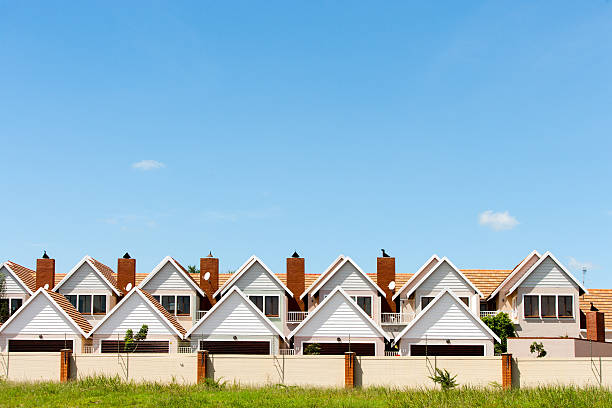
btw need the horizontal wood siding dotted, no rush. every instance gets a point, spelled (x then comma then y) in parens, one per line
(257, 280)
(236, 347)
(11, 285)
(84, 280)
(132, 315)
(147, 346)
(348, 278)
(40, 317)
(32, 346)
(548, 274)
(445, 277)
(168, 278)
(446, 350)
(360, 349)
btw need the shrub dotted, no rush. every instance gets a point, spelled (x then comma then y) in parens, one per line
(444, 378)
(502, 325)
(537, 348)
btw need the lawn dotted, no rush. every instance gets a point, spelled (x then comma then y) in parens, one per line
(102, 392)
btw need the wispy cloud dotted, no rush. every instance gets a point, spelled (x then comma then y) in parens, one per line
(234, 216)
(577, 265)
(146, 165)
(497, 221)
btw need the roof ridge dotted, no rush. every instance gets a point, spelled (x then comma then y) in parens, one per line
(27, 275)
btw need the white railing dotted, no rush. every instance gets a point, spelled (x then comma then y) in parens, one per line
(185, 349)
(396, 318)
(287, 352)
(392, 353)
(296, 317)
(200, 314)
(485, 313)
(87, 349)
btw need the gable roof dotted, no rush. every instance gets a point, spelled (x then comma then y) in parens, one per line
(105, 272)
(431, 305)
(426, 267)
(435, 268)
(155, 305)
(538, 263)
(602, 300)
(62, 304)
(236, 292)
(23, 275)
(179, 268)
(338, 291)
(332, 270)
(515, 271)
(242, 270)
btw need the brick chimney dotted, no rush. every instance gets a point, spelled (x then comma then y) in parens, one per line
(296, 282)
(385, 274)
(45, 272)
(596, 327)
(209, 265)
(126, 273)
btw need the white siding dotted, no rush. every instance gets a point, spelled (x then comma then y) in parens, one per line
(445, 277)
(337, 318)
(84, 280)
(40, 317)
(447, 319)
(12, 285)
(132, 315)
(548, 274)
(234, 317)
(168, 278)
(257, 280)
(348, 278)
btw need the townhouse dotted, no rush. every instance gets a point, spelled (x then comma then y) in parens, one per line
(436, 310)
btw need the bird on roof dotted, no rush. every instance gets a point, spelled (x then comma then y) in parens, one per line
(593, 308)
(385, 255)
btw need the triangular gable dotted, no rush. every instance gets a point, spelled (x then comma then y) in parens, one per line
(544, 258)
(42, 311)
(315, 287)
(322, 276)
(102, 271)
(438, 266)
(21, 277)
(518, 269)
(427, 266)
(136, 309)
(228, 316)
(179, 270)
(339, 315)
(243, 270)
(446, 317)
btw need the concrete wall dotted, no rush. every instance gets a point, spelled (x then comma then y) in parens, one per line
(559, 347)
(30, 366)
(534, 372)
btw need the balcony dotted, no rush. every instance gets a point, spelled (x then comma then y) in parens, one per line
(296, 317)
(287, 352)
(396, 318)
(487, 313)
(200, 314)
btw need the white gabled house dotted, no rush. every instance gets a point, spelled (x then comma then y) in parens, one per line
(172, 286)
(346, 274)
(262, 287)
(91, 288)
(134, 310)
(45, 322)
(19, 285)
(446, 327)
(235, 325)
(337, 325)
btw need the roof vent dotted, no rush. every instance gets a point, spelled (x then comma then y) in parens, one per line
(295, 255)
(45, 256)
(385, 255)
(210, 255)
(126, 256)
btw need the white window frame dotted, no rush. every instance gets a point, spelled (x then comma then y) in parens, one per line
(421, 301)
(90, 313)
(175, 304)
(10, 299)
(264, 304)
(354, 299)
(556, 296)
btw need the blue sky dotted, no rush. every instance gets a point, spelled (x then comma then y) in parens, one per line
(475, 130)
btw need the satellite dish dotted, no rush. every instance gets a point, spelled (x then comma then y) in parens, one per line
(128, 287)
(392, 285)
(207, 276)
(46, 286)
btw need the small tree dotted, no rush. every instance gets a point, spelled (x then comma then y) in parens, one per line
(502, 325)
(443, 377)
(313, 349)
(4, 303)
(537, 348)
(131, 340)
(192, 269)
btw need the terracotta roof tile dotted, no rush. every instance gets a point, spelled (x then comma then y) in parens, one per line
(27, 276)
(163, 310)
(71, 311)
(486, 280)
(107, 272)
(602, 300)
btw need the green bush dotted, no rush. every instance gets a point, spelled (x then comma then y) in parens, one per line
(313, 349)
(502, 325)
(444, 378)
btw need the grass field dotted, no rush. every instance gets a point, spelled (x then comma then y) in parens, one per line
(101, 392)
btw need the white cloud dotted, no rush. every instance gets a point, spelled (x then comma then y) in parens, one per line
(577, 265)
(146, 165)
(497, 221)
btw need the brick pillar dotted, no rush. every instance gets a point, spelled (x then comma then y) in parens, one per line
(506, 371)
(596, 326)
(210, 286)
(65, 364)
(296, 282)
(201, 373)
(45, 272)
(385, 274)
(349, 369)
(126, 273)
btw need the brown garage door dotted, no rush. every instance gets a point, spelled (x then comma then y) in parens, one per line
(39, 345)
(235, 347)
(447, 350)
(360, 349)
(147, 346)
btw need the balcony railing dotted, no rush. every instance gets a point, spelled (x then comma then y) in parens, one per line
(296, 317)
(87, 349)
(287, 352)
(185, 349)
(485, 313)
(394, 353)
(200, 314)
(396, 318)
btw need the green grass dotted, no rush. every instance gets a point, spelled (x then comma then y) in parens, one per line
(105, 392)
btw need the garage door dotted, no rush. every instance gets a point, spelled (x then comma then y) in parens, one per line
(235, 347)
(447, 350)
(147, 346)
(39, 345)
(360, 349)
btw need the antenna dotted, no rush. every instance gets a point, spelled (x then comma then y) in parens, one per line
(46, 286)
(207, 276)
(584, 271)
(128, 287)
(391, 285)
